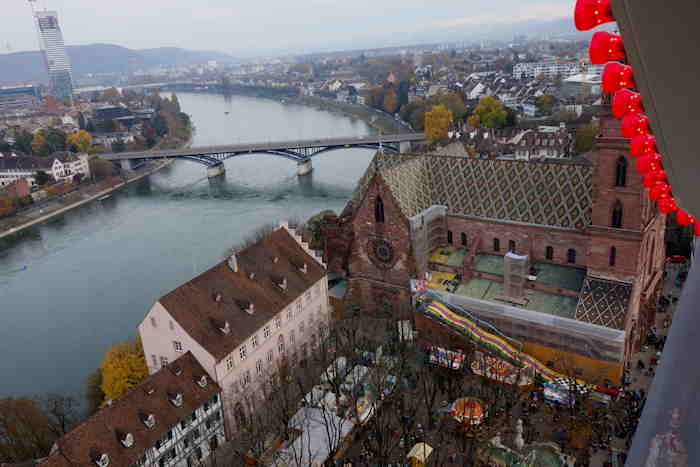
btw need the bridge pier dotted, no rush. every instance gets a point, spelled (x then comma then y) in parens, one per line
(304, 167)
(216, 170)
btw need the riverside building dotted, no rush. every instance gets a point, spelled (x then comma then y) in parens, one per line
(264, 307)
(173, 418)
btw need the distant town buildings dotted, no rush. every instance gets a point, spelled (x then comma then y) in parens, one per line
(55, 56)
(18, 97)
(265, 307)
(173, 418)
(61, 166)
(548, 69)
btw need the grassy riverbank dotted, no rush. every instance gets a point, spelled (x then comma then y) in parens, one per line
(380, 121)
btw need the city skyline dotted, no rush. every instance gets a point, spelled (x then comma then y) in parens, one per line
(250, 29)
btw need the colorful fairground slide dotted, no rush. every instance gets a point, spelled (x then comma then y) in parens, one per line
(514, 366)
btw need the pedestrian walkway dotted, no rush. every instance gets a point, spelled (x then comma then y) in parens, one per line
(640, 378)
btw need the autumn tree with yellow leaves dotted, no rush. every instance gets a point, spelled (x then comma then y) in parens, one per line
(123, 367)
(82, 140)
(38, 141)
(489, 113)
(437, 124)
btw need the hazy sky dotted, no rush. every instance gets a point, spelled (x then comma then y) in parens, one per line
(252, 26)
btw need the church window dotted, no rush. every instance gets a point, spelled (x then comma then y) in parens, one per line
(379, 210)
(511, 246)
(571, 256)
(549, 253)
(617, 215)
(463, 237)
(449, 237)
(621, 172)
(496, 244)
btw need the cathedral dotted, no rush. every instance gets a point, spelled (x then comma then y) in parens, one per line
(590, 240)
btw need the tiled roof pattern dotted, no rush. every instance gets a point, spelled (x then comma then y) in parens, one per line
(551, 193)
(100, 433)
(604, 302)
(194, 305)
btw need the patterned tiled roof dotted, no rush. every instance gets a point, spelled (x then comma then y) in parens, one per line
(604, 302)
(552, 193)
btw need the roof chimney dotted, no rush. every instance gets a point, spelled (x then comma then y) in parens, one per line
(233, 262)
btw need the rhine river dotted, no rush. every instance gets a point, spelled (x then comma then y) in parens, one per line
(72, 287)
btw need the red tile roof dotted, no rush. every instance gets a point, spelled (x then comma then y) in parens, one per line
(100, 434)
(203, 305)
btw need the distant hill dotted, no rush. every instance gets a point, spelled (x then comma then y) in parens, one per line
(100, 58)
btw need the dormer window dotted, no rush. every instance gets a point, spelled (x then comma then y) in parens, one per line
(176, 399)
(246, 306)
(102, 461)
(177, 370)
(303, 268)
(202, 382)
(150, 390)
(275, 259)
(127, 440)
(226, 329)
(218, 297)
(251, 276)
(280, 282)
(149, 420)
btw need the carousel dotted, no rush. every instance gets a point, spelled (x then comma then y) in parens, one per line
(469, 411)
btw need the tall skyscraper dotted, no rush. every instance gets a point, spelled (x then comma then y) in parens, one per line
(55, 56)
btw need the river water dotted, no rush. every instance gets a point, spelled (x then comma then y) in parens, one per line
(72, 287)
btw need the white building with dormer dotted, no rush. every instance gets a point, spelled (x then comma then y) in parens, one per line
(265, 306)
(62, 166)
(173, 418)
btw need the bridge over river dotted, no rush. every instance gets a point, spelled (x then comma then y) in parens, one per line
(300, 151)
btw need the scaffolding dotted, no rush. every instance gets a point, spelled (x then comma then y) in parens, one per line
(428, 231)
(516, 269)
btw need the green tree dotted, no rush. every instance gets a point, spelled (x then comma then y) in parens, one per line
(54, 141)
(437, 124)
(176, 103)
(489, 113)
(123, 367)
(23, 142)
(585, 137)
(160, 125)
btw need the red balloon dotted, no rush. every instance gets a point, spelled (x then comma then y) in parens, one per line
(606, 47)
(660, 190)
(642, 144)
(591, 13)
(617, 76)
(626, 102)
(652, 178)
(683, 218)
(667, 205)
(635, 125)
(648, 163)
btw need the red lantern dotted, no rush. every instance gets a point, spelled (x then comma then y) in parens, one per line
(635, 125)
(626, 102)
(683, 218)
(660, 190)
(667, 205)
(652, 178)
(642, 144)
(617, 76)
(606, 47)
(697, 229)
(649, 163)
(591, 13)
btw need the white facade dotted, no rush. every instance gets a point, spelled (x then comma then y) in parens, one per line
(547, 69)
(191, 440)
(289, 335)
(60, 171)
